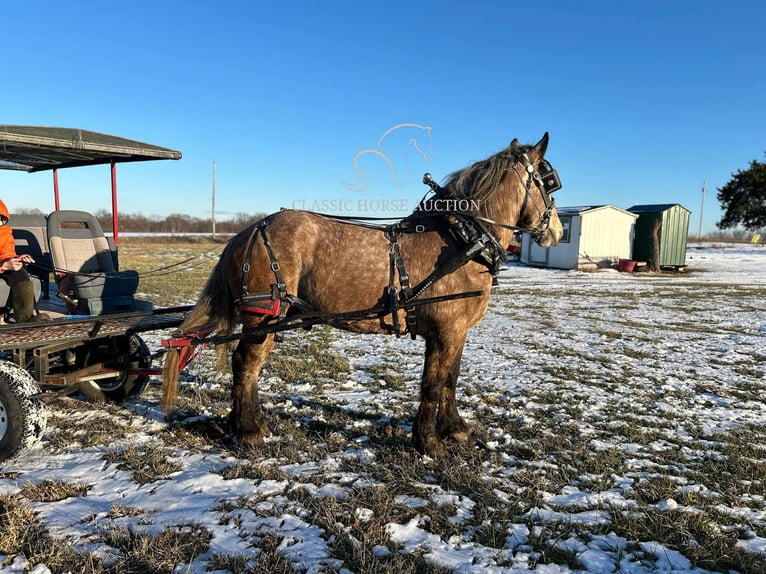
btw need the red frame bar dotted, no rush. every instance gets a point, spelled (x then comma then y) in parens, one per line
(56, 202)
(115, 217)
(115, 224)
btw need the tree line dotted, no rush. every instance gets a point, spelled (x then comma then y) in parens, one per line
(176, 223)
(173, 223)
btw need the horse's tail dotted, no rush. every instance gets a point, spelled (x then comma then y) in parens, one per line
(214, 311)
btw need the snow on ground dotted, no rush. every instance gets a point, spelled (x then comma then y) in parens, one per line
(645, 370)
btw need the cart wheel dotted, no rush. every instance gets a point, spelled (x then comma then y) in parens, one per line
(122, 352)
(23, 418)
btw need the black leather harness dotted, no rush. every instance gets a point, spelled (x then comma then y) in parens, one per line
(475, 243)
(469, 234)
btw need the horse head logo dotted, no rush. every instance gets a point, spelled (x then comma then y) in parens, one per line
(394, 148)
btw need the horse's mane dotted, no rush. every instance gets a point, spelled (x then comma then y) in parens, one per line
(482, 179)
(480, 189)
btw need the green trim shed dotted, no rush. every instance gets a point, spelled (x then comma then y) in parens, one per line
(673, 233)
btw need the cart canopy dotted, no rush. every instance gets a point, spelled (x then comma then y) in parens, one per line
(36, 148)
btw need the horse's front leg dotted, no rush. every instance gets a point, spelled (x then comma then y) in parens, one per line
(246, 418)
(439, 361)
(449, 423)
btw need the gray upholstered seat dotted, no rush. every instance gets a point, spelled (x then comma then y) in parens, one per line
(30, 234)
(85, 265)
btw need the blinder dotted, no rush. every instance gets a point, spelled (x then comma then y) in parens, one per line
(549, 176)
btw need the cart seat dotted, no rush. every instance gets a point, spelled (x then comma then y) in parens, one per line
(30, 234)
(86, 269)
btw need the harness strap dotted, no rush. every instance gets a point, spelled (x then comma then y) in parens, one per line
(396, 263)
(469, 253)
(267, 302)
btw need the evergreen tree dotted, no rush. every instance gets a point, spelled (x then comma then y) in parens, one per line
(743, 199)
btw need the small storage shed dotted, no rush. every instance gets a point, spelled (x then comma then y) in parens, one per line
(594, 236)
(673, 232)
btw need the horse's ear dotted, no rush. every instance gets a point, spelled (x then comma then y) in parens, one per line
(541, 147)
(515, 145)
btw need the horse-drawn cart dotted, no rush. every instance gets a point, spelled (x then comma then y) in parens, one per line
(92, 344)
(445, 258)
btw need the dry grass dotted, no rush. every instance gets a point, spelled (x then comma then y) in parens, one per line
(172, 270)
(509, 471)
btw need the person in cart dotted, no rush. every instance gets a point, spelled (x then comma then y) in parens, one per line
(14, 273)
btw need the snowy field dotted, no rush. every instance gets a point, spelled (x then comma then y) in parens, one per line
(619, 426)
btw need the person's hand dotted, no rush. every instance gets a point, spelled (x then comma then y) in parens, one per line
(26, 258)
(12, 264)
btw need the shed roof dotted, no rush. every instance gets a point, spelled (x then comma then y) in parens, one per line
(579, 209)
(655, 208)
(36, 148)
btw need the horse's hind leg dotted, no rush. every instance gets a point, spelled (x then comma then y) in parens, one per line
(449, 423)
(438, 371)
(246, 418)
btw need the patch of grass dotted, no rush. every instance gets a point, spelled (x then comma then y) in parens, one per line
(654, 489)
(252, 471)
(548, 549)
(234, 563)
(23, 534)
(20, 530)
(120, 511)
(52, 491)
(692, 533)
(94, 428)
(172, 272)
(740, 467)
(141, 553)
(391, 378)
(307, 358)
(270, 559)
(146, 465)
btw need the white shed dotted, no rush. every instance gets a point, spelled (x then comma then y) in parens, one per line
(594, 236)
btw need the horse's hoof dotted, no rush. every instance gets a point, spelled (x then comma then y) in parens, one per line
(459, 431)
(251, 439)
(460, 436)
(430, 447)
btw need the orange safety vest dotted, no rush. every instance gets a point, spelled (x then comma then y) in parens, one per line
(7, 246)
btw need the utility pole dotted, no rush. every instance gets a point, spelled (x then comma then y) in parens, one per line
(702, 211)
(212, 215)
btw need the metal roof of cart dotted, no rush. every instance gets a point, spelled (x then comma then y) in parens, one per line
(38, 148)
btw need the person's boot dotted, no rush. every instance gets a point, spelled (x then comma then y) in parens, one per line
(39, 317)
(23, 295)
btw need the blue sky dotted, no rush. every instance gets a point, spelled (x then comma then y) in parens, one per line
(644, 100)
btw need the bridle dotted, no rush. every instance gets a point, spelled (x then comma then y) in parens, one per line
(547, 181)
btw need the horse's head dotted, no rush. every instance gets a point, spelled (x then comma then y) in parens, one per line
(539, 180)
(513, 191)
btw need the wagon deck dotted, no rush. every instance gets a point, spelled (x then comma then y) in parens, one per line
(71, 329)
